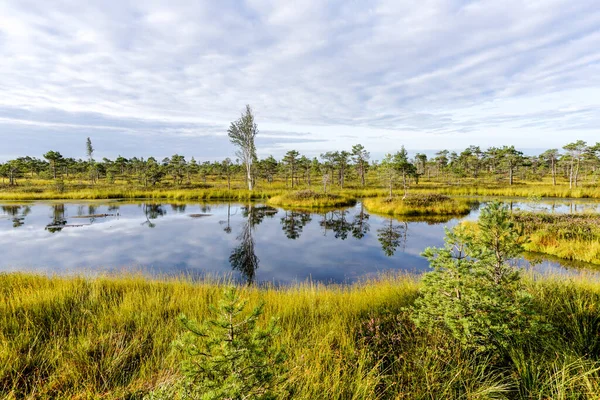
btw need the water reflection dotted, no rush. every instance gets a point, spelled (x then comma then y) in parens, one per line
(17, 214)
(243, 258)
(152, 211)
(392, 235)
(58, 218)
(337, 222)
(293, 222)
(179, 207)
(333, 246)
(360, 225)
(227, 223)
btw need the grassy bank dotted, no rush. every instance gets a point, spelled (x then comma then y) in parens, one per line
(38, 189)
(419, 205)
(140, 193)
(568, 236)
(111, 338)
(310, 199)
(520, 190)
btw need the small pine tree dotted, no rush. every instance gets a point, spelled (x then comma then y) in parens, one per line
(473, 292)
(229, 357)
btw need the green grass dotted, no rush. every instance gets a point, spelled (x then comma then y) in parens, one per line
(310, 199)
(419, 205)
(110, 338)
(568, 236)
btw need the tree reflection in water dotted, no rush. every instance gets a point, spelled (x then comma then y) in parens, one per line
(58, 218)
(360, 225)
(17, 214)
(243, 258)
(178, 207)
(227, 223)
(293, 222)
(337, 222)
(392, 236)
(152, 211)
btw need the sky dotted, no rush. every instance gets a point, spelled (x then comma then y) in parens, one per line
(155, 78)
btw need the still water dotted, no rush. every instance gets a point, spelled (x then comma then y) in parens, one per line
(249, 242)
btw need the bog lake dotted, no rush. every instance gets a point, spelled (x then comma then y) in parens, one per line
(247, 242)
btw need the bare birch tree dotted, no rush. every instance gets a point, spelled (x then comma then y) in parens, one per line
(242, 133)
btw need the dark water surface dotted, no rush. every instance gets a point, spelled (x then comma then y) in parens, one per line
(251, 242)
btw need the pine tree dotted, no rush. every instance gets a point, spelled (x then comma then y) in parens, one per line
(229, 357)
(473, 293)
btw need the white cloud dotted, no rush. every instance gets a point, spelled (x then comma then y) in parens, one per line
(443, 73)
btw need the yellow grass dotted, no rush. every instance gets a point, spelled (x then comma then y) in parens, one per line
(309, 199)
(398, 206)
(110, 338)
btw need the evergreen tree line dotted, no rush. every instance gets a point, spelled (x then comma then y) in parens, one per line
(576, 163)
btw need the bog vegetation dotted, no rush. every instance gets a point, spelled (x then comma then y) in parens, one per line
(473, 327)
(419, 204)
(569, 236)
(311, 199)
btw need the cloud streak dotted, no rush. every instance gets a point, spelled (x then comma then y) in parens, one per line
(444, 73)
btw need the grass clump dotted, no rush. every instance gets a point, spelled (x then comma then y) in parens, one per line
(419, 205)
(568, 236)
(311, 199)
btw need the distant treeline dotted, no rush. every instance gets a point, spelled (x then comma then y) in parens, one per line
(574, 164)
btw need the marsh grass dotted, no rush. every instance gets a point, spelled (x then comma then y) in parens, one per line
(568, 236)
(110, 338)
(124, 193)
(76, 189)
(430, 204)
(310, 199)
(70, 337)
(521, 190)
